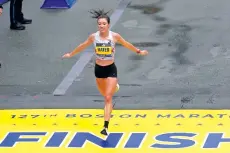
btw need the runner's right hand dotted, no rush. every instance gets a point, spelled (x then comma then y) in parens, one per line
(66, 55)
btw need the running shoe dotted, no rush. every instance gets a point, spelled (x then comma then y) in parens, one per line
(104, 132)
(117, 88)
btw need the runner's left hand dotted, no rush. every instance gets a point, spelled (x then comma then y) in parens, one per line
(143, 52)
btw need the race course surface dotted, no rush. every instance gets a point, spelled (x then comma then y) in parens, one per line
(187, 66)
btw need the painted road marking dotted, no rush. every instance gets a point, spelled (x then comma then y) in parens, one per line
(87, 55)
(130, 131)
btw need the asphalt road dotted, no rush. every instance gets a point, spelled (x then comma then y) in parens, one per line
(187, 66)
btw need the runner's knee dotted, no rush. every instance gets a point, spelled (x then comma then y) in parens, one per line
(108, 98)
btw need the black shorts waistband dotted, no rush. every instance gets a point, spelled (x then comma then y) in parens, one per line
(106, 66)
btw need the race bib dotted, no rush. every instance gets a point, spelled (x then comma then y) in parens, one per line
(103, 50)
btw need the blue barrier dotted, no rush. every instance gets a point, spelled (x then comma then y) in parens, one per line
(3, 1)
(58, 4)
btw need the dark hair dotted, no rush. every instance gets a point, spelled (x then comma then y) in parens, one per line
(98, 14)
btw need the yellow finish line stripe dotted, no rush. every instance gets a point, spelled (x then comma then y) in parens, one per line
(130, 131)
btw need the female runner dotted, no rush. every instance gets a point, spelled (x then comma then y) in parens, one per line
(105, 70)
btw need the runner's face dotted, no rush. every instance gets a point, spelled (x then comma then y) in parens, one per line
(103, 25)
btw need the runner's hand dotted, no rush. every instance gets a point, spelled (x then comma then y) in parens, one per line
(143, 52)
(66, 55)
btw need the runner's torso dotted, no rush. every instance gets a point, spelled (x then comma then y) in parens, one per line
(104, 49)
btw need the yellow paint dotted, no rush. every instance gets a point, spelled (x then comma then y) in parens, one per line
(151, 122)
(104, 50)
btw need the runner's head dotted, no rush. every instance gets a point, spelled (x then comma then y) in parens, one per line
(103, 19)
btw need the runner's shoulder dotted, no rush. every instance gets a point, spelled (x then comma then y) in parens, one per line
(92, 36)
(116, 35)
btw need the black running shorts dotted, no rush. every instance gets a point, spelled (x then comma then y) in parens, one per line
(105, 71)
